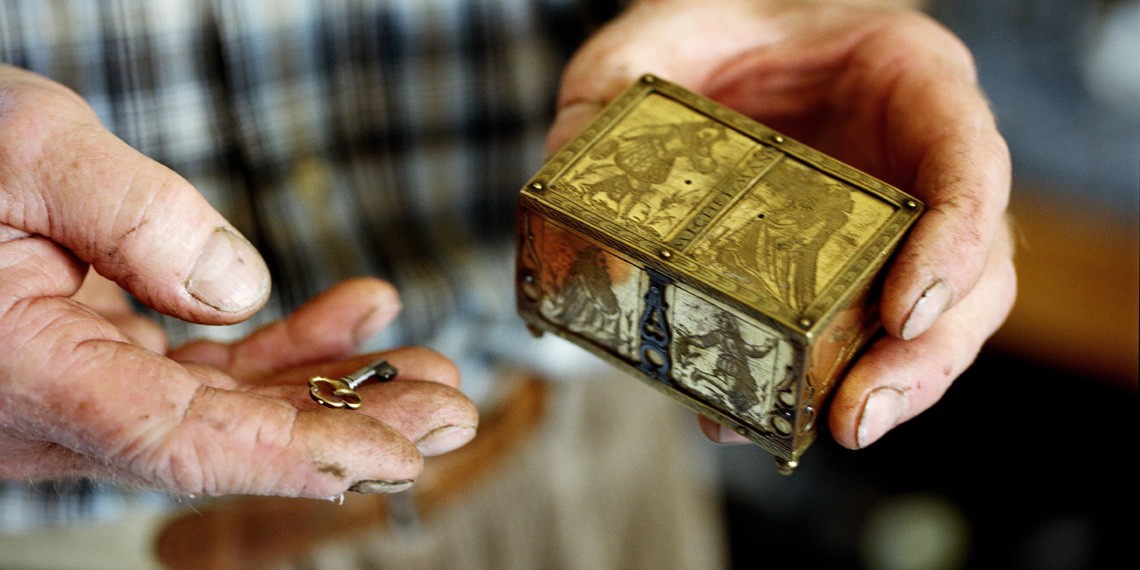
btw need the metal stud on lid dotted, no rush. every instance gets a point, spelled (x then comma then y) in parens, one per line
(721, 262)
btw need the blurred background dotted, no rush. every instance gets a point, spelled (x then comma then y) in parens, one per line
(1029, 460)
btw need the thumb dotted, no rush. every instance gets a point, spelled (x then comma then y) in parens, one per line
(64, 176)
(644, 39)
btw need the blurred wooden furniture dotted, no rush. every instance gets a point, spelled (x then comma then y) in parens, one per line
(1078, 305)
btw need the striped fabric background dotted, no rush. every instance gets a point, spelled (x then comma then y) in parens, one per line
(343, 137)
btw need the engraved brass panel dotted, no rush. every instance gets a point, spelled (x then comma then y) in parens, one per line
(723, 263)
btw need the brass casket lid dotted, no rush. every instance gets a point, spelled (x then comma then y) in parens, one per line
(725, 205)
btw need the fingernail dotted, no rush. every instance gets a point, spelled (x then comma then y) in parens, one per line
(926, 309)
(883, 410)
(379, 487)
(445, 439)
(229, 274)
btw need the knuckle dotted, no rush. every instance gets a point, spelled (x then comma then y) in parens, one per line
(147, 198)
(209, 450)
(924, 31)
(34, 110)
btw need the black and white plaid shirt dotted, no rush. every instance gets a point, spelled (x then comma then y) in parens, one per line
(344, 137)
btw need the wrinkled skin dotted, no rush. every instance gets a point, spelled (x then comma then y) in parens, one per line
(88, 387)
(890, 92)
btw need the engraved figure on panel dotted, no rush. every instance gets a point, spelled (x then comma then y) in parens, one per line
(730, 379)
(586, 302)
(589, 291)
(634, 162)
(780, 245)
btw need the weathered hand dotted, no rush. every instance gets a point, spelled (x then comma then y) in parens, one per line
(890, 92)
(84, 386)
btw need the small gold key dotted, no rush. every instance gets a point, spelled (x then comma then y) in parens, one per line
(341, 392)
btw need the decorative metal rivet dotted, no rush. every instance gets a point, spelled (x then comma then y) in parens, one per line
(786, 398)
(805, 323)
(648, 78)
(531, 288)
(786, 466)
(778, 139)
(740, 430)
(911, 204)
(537, 186)
(655, 358)
(783, 425)
(666, 254)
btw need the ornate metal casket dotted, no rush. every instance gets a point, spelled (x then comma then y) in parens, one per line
(726, 265)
